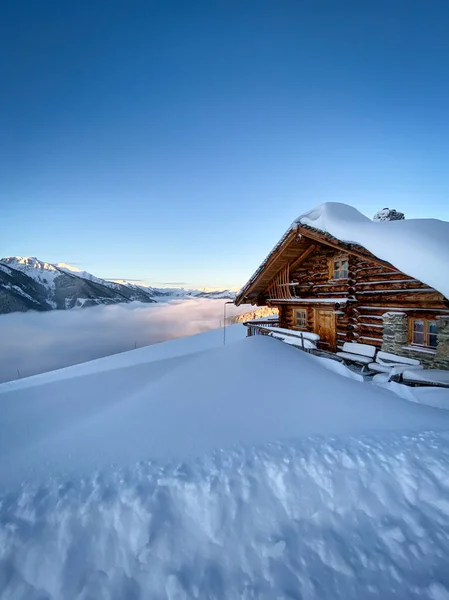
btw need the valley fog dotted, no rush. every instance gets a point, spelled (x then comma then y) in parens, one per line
(35, 342)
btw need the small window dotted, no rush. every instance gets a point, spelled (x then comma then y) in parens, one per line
(424, 333)
(301, 318)
(340, 268)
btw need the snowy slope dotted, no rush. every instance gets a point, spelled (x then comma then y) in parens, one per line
(18, 292)
(182, 346)
(184, 406)
(85, 275)
(417, 247)
(212, 484)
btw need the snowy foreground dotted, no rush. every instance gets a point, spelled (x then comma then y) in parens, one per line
(193, 470)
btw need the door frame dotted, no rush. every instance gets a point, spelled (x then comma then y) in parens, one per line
(316, 315)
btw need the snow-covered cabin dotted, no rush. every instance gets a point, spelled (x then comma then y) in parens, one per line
(350, 279)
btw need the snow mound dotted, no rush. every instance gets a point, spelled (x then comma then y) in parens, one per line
(339, 519)
(417, 247)
(193, 473)
(188, 405)
(437, 397)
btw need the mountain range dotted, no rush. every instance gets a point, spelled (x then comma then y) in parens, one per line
(27, 283)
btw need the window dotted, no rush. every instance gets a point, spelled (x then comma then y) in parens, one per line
(340, 268)
(301, 318)
(424, 332)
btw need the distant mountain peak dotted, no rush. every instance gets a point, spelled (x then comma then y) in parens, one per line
(27, 261)
(27, 283)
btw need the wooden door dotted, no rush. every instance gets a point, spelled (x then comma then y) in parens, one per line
(325, 328)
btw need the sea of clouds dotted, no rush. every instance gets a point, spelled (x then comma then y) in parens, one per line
(34, 342)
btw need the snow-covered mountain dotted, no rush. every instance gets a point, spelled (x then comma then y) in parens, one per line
(27, 283)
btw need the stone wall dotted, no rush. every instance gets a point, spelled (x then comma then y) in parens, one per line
(395, 333)
(441, 360)
(395, 340)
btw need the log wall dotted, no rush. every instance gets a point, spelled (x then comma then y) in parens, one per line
(369, 291)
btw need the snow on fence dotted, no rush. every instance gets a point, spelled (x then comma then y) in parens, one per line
(301, 339)
(260, 326)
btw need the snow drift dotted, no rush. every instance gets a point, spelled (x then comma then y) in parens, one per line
(195, 475)
(417, 247)
(186, 406)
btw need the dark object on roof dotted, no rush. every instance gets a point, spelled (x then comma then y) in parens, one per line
(388, 214)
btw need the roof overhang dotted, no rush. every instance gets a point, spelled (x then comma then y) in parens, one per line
(269, 268)
(294, 247)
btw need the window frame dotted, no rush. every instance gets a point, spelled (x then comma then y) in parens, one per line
(426, 333)
(303, 311)
(332, 270)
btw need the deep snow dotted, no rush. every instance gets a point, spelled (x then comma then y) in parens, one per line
(185, 470)
(189, 405)
(363, 517)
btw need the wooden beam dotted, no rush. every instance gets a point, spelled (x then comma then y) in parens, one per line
(302, 257)
(275, 254)
(317, 237)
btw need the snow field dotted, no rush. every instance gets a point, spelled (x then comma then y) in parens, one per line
(189, 469)
(354, 517)
(186, 406)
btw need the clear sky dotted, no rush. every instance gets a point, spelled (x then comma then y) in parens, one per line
(175, 141)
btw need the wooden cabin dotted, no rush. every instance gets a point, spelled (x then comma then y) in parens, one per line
(344, 293)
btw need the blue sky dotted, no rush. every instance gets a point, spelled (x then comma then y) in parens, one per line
(174, 142)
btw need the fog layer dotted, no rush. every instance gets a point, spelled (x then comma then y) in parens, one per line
(33, 342)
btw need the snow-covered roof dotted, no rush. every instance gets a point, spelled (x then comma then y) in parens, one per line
(417, 247)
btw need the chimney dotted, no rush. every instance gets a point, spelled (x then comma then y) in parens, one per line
(388, 214)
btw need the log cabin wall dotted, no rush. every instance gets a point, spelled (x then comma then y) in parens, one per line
(313, 279)
(380, 290)
(369, 291)
(287, 316)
